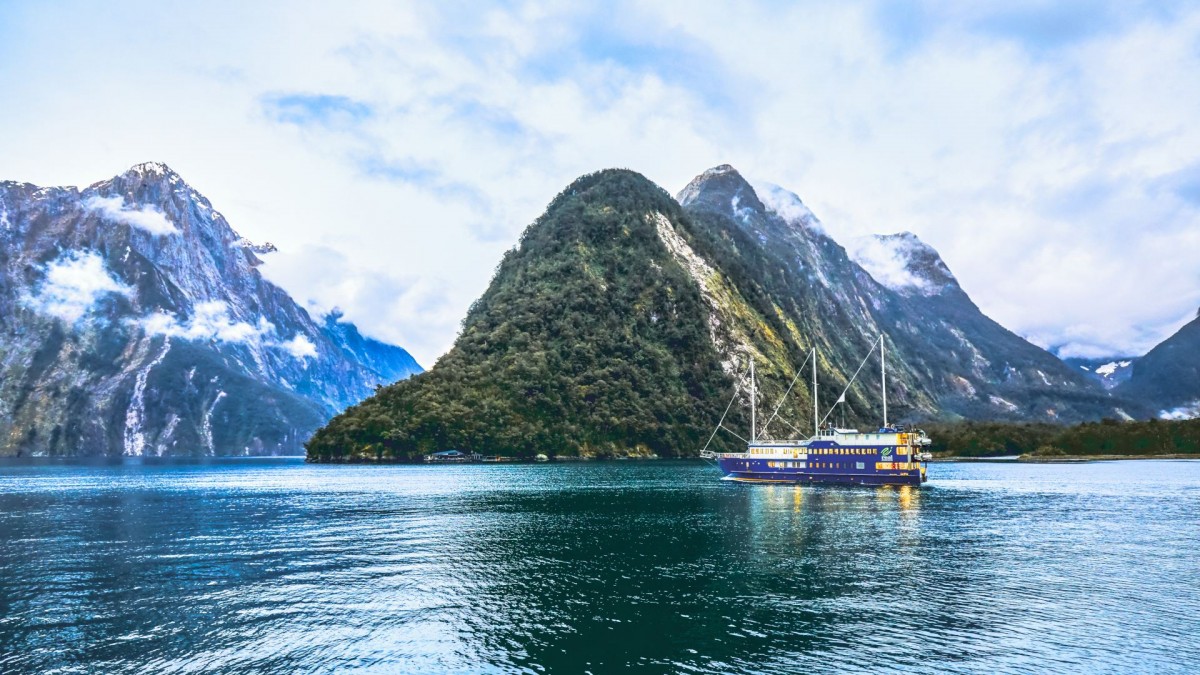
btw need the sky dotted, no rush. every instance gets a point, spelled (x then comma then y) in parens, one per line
(1050, 151)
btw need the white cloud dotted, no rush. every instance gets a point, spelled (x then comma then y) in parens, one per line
(209, 321)
(886, 260)
(213, 321)
(387, 303)
(147, 218)
(300, 347)
(786, 204)
(1188, 411)
(72, 284)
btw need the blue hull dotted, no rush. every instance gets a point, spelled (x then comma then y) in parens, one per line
(757, 471)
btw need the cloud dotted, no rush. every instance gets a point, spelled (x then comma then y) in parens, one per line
(887, 261)
(213, 321)
(300, 347)
(326, 110)
(1042, 147)
(787, 205)
(1183, 184)
(209, 321)
(1184, 412)
(73, 284)
(147, 218)
(383, 302)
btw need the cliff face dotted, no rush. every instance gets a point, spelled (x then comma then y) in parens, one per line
(133, 321)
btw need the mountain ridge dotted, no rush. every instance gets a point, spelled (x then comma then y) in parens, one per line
(600, 261)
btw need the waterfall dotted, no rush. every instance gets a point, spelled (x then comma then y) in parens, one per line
(135, 416)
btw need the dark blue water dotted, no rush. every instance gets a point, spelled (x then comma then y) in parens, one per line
(276, 566)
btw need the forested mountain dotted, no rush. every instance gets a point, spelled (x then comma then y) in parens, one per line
(134, 320)
(591, 340)
(622, 323)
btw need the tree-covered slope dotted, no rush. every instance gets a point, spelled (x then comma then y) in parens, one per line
(1108, 437)
(590, 340)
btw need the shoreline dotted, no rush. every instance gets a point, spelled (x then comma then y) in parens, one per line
(568, 459)
(1068, 459)
(1060, 459)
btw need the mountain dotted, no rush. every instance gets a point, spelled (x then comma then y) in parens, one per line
(950, 361)
(1168, 376)
(622, 322)
(590, 340)
(134, 320)
(1110, 372)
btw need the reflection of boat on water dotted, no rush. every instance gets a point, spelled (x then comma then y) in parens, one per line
(890, 455)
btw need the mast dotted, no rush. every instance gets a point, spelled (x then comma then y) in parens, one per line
(753, 404)
(816, 423)
(883, 377)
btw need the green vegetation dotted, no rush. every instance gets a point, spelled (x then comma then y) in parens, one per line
(1106, 437)
(591, 340)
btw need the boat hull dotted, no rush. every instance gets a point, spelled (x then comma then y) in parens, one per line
(758, 471)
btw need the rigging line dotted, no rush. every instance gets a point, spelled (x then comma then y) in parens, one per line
(799, 434)
(722, 420)
(852, 378)
(785, 394)
(734, 433)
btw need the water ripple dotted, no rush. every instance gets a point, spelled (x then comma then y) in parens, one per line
(277, 566)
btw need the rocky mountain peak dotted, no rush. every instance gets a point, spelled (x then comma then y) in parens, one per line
(154, 176)
(903, 263)
(722, 189)
(151, 169)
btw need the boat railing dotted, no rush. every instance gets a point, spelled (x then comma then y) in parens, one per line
(709, 454)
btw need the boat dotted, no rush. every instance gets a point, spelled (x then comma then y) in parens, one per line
(887, 455)
(449, 457)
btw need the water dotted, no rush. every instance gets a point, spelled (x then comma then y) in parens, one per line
(275, 566)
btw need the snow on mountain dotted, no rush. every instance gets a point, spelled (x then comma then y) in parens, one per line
(1109, 372)
(1110, 368)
